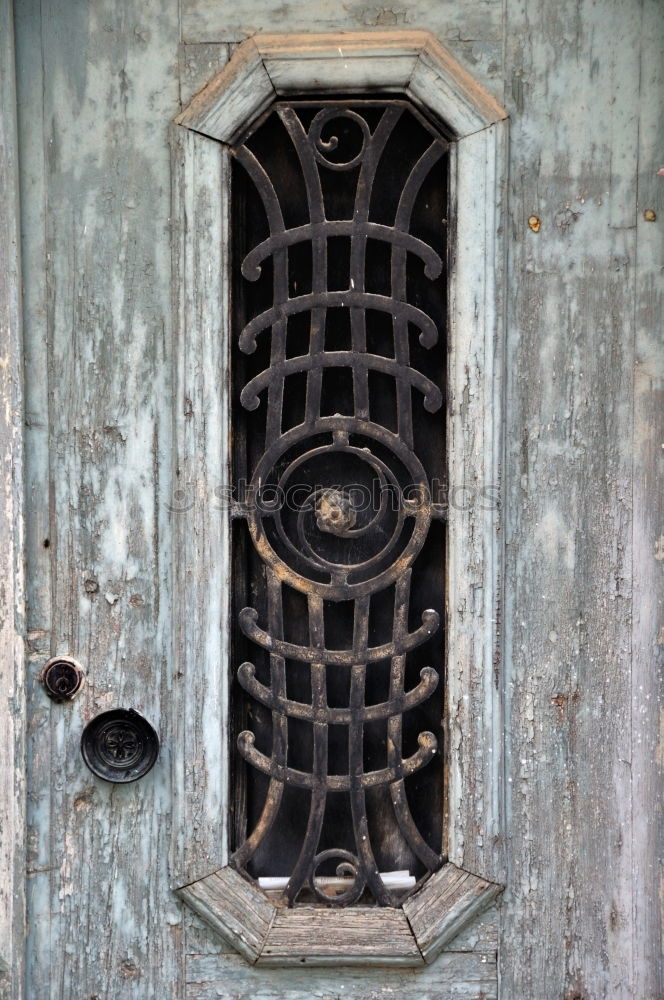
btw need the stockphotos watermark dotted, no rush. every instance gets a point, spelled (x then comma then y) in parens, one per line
(244, 497)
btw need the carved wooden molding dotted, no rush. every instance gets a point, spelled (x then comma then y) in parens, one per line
(268, 66)
(270, 935)
(263, 69)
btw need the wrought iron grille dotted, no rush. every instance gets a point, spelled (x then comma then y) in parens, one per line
(339, 309)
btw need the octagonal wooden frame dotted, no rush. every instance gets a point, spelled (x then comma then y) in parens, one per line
(263, 69)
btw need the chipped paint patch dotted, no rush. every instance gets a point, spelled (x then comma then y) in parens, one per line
(556, 537)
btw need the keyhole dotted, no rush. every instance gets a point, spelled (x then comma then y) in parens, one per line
(62, 678)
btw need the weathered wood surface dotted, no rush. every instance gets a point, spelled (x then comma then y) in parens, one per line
(199, 516)
(198, 65)
(268, 934)
(231, 100)
(458, 98)
(270, 65)
(647, 737)
(383, 59)
(355, 935)
(448, 903)
(209, 21)
(33, 182)
(481, 935)
(98, 85)
(234, 907)
(475, 540)
(579, 783)
(455, 976)
(12, 597)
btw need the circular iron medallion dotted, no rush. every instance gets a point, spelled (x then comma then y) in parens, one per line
(119, 746)
(342, 515)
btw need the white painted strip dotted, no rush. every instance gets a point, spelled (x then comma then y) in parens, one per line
(393, 880)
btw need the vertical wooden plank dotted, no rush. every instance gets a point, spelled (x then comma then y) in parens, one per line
(574, 99)
(647, 755)
(103, 921)
(30, 84)
(200, 508)
(475, 557)
(12, 611)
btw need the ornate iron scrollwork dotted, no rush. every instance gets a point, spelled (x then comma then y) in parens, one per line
(338, 205)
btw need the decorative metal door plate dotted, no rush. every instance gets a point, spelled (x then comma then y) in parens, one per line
(119, 746)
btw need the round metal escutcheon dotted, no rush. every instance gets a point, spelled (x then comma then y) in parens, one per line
(62, 678)
(119, 746)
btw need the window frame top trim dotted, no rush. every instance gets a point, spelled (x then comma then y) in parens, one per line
(267, 67)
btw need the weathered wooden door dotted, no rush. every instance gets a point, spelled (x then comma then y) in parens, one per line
(114, 229)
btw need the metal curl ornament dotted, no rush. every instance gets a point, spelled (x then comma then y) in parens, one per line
(322, 146)
(348, 866)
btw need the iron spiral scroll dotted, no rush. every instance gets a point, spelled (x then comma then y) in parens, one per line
(338, 507)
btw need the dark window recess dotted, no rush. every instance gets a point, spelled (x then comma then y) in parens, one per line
(338, 361)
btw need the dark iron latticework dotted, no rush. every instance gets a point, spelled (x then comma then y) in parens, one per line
(339, 501)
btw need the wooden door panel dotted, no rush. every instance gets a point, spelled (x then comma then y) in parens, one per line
(98, 85)
(95, 84)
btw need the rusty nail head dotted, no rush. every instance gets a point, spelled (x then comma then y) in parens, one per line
(650, 215)
(535, 223)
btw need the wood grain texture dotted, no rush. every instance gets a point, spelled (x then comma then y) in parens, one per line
(199, 518)
(207, 21)
(481, 935)
(233, 98)
(574, 98)
(647, 750)
(444, 906)
(12, 595)
(412, 61)
(33, 183)
(455, 976)
(198, 65)
(269, 65)
(102, 918)
(362, 936)
(267, 933)
(234, 907)
(451, 92)
(475, 535)
(98, 84)
(342, 65)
